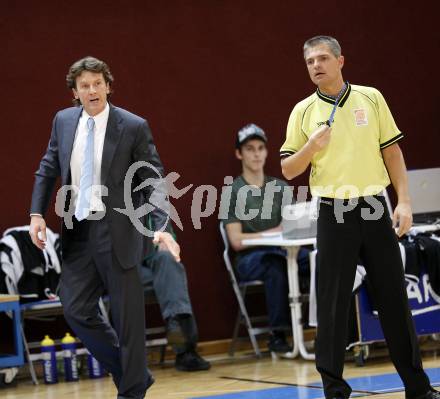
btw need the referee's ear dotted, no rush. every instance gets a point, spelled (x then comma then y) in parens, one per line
(341, 60)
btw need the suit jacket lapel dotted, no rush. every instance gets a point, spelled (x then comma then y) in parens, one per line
(69, 137)
(111, 141)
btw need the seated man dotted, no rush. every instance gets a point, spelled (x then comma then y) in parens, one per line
(255, 194)
(168, 278)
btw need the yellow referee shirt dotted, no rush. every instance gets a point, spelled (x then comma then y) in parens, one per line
(352, 164)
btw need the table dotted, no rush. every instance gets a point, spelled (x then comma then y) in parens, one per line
(292, 247)
(10, 303)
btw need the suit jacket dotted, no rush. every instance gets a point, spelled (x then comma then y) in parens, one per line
(128, 139)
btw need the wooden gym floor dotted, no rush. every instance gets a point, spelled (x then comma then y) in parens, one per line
(241, 377)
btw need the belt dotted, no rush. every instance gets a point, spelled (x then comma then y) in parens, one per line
(351, 201)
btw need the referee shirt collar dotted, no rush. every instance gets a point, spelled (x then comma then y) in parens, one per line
(331, 100)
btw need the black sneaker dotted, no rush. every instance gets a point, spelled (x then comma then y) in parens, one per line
(191, 361)
(278, 344)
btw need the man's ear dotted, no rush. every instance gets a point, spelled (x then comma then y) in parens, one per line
(238, 154)
(75, 94)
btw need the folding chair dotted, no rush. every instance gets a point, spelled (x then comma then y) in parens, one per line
(44, 310)
(240, 290)
(40, 310)
(154, 336)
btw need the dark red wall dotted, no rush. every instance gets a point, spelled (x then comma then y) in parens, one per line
(198, 71)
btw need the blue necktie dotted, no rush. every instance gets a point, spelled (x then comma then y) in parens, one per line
(86, 181)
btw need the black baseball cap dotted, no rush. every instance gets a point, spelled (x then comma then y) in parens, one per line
(248, 132)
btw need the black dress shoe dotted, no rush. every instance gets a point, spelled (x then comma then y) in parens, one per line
(150, 382)
(191, 361)
(431, 394)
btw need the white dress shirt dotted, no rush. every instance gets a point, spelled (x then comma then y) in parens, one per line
(77, 157)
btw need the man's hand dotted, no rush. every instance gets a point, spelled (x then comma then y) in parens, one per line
(38, 225)
(165, 241)
(403, 217)
(320, 138)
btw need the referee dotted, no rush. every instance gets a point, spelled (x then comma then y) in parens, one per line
(349, 137)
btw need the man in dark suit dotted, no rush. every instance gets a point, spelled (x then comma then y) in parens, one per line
(93, 148)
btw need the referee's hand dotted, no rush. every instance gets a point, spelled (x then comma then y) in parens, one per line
(402, 218)
(320, 138)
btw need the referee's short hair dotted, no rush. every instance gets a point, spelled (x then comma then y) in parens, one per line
(331, 42)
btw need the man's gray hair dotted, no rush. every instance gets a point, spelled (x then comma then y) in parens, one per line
(331, 42)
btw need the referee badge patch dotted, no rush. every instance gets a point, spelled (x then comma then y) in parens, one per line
(360, 117)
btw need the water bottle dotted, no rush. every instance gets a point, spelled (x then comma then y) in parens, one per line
(95, 368)
(49, 360)
(68, 344)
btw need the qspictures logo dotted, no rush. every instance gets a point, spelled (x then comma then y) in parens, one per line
(207, 199)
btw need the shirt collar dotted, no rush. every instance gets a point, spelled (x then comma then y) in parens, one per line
(331, 100)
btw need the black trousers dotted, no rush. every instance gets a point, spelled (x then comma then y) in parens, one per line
(343, 238)
(89, 268)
